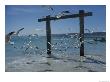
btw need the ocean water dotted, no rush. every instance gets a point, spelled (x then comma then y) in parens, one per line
(25, 46)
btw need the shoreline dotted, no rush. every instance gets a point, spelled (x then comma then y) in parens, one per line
(90, 63)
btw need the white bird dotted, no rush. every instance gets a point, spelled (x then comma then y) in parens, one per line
(62, 14)
(8, 36)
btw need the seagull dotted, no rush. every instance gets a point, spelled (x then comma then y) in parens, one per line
(49, 7)
(88, 30)
(8, 36)
(62, 14)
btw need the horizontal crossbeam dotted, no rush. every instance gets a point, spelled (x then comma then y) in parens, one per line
(66, 16)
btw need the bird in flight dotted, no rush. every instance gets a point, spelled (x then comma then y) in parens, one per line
(8, 36)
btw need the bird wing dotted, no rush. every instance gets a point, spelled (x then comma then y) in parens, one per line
(19, 31)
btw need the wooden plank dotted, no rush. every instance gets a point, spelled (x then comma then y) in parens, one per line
(66, 17)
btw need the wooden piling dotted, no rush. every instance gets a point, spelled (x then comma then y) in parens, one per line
(48, 34)
(81, 19)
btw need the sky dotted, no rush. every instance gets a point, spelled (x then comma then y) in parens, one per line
(26, 16)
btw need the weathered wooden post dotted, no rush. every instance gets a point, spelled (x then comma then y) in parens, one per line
(48, 34)
(81, 19)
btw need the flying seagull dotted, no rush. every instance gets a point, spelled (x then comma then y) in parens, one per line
(63, 13)
(8, 36)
